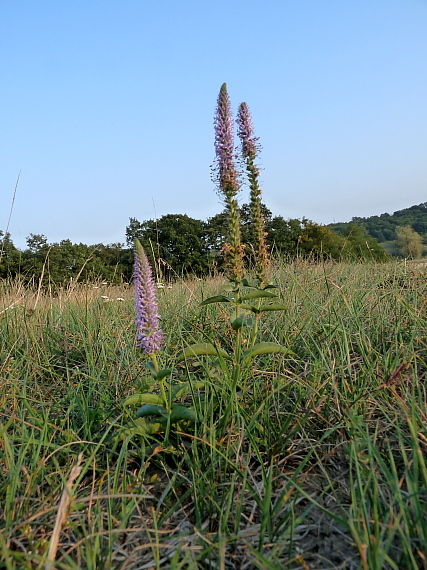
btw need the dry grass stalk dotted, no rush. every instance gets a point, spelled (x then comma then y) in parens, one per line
(62, 514)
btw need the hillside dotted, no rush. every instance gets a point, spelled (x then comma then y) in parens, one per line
(383, 227)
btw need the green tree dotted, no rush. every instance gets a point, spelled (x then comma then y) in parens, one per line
(359, 244)
(384, 226)
(216, 227)
(9, 256)
(35, 257)
(117, 261)
(247, 226)
(284, 236)
(320, 242)
(63, 262)
(408, 242)
(133, 231)
(174, 243)
(37, 243)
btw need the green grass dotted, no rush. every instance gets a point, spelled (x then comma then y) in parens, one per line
(323, 462)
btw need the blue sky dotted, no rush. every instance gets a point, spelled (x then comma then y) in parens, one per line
(107, 108)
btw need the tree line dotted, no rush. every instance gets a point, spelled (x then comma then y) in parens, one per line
(58, 263)
(385, 226)
(178, 245)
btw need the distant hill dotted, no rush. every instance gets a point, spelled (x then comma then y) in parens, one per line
(383, 227)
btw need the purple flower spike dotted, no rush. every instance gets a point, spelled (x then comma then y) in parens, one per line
(226, 177)
(249, 150)
(149, 336)
(224, 145)
(246, 132)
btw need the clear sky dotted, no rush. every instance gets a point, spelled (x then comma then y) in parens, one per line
(107, 108)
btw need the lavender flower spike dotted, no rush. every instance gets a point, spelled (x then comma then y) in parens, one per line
(226, 177)
(246, 132)
(224, 145)
(149, 336)
(249, 149)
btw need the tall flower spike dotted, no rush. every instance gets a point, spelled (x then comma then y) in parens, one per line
(246, 132)
(249, 148)
(224, 145)
(226, 177)
(149, 336)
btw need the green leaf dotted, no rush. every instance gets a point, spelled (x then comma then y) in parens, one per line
(202, 349)
(230, 286)
(182, 389)
(150, 410)
(262, 308)
(266, 348)
(182, 413)
(216, 299)
(237, 323)
(163, 373)
(147, 398)
(249, 308)
(151, 367)
(258, 294)
(246, 283)
(143, 427)
(143, 421)
(272, 307)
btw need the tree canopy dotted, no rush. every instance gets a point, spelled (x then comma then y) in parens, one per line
(408, 242)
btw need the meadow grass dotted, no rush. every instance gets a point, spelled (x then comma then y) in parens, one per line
(322, 463)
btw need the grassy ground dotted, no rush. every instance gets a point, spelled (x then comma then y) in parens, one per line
(322, 465)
